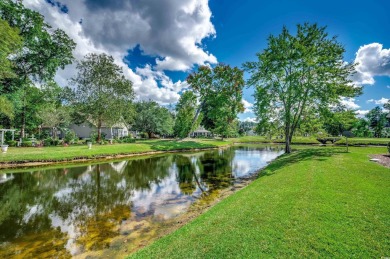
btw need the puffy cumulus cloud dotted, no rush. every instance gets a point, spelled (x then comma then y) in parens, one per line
(379, 102)
(171, 31)
(349, 103)
(248, 106)
(372, 60)
(361, 113)
(249, 119)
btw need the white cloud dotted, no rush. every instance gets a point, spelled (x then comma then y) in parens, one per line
(372, 60)
(249, 119)
(349, 103)
(388, 86)
(378, 102)
(170, 30)
(361, 113)
(248, 106)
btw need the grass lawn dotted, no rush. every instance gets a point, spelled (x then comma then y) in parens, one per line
(313, 140)
(60, 153)
(316, 202)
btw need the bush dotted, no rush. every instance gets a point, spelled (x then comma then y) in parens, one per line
(12, 143)
(27, 144)
(127, 139)
(56, 142)
(48, 142)
(70, 137)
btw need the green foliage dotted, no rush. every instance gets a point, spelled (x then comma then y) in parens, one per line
(153, 119)
(102, 92)
(48, 142)
(127, 139)
(10, 43)
(6, 107)
(27, 144)
(220, 91)
(185, 113)
(299, 73)
(12, 143)
(70, 137)
(377, 121)
(338, 119)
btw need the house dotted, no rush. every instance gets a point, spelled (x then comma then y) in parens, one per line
(201, 132)
(85, 129)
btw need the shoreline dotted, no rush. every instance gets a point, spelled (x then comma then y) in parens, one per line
(21, 164)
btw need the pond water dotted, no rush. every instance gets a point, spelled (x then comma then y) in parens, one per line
(111, 208)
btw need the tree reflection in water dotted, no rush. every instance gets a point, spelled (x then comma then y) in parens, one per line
(70, 211)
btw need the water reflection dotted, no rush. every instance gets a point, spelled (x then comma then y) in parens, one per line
(70, 211)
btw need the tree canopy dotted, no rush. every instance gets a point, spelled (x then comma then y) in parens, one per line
(220, 94)
(102, 91)
(299, 72)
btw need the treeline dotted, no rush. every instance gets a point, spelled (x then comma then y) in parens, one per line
(99, 94)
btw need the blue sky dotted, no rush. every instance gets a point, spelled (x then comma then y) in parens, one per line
(159, 42)
(243, 27)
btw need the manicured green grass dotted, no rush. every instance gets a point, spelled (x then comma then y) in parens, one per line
(313, 140)
(60, 153)
(316, 202)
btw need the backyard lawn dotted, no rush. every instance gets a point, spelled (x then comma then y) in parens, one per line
(315, 202)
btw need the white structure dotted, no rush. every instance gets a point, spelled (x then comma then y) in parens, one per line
(201, 132)
(84, 130)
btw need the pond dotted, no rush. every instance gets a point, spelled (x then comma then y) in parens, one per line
(115, 207)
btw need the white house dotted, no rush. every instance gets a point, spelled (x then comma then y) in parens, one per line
(85, 129)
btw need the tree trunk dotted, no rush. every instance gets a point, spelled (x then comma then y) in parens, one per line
(287, 148)
(149, 135)
(99, 130)
(23, 129)
(195, 119)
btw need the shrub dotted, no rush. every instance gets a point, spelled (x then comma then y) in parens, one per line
(70, 137)
(56, 142)
(12, 143)
(48, 142)
(27, 144)
(127, 139)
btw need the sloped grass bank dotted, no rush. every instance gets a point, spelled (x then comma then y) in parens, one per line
(317, 202)
(16, 156)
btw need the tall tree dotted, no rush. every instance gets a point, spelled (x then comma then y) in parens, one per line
(10, 43)
(299, 72)
(185, 113)
(43, 51)
(220, 94)
(377, 121)
(152, 119)
(102, 91)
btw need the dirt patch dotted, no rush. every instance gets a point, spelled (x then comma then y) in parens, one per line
(382, 159)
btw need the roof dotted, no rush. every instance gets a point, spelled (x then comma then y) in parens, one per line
(201, 130)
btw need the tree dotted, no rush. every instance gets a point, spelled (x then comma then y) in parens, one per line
(54, 116)
(152, 119)
(220, 94)
(186, 110)
(338, 119)
(102, 91)
(43, 51)
(362, 128)
(10, 42)
(377, 121)
(299, 73)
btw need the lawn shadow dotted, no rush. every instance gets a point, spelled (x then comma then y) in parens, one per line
(318, 154)
(166, 145)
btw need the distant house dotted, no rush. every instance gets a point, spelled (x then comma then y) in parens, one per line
(201, 132)
(84, 130)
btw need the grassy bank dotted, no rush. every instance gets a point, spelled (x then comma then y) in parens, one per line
(313, 140)
(60, 153)
(317, 202)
